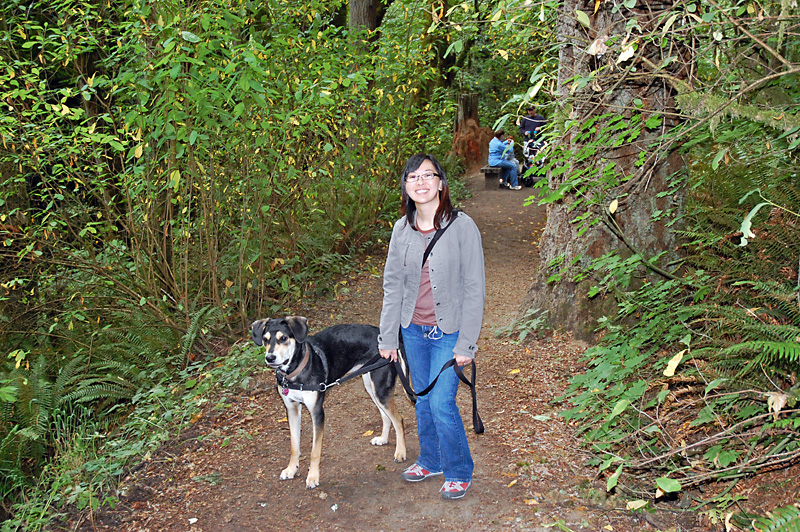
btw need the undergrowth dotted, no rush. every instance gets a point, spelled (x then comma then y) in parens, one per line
(695, 381)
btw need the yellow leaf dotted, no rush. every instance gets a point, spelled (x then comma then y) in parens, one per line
(497, 15)
(530, 502)
(369, 433)
(64, 110)
(138, 152)
(626, 54)
(90, 81)
(608, 527)
(613, 207)
(635, 505)
(513, 372)
(776, 402)
(512, 483)
(673, 364)
(282, 420)
(659, 493)
(503, 54)
(596, 6)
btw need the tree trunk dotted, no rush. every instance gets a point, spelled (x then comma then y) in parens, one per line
(470, 140)
(367, 14)
(559, 286)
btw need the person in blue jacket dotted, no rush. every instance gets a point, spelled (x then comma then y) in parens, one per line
(498, 149)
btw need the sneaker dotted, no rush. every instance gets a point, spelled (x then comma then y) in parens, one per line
(518, 187)
(454, 490)
(416, 473)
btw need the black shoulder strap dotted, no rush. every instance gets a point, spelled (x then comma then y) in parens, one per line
(438, 235)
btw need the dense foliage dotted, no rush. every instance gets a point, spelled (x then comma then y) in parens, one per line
(171, 171)
(695, 380)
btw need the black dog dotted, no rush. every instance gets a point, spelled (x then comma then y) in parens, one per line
(302, 363)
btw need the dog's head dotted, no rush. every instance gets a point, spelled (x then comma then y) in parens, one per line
(280, 337)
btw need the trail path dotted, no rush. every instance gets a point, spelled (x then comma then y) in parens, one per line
(222, 473)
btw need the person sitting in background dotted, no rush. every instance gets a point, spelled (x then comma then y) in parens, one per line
(530, 126)
(498, 149)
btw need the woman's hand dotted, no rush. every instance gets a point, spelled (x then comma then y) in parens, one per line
(461, 360)
(389, 353)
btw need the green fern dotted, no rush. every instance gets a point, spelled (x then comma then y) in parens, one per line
(786, 519)
(769, 353)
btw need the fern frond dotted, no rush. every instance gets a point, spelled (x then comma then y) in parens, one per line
(786, 354)
(786, 519)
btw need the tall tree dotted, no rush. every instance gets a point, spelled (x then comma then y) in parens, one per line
(616, 95)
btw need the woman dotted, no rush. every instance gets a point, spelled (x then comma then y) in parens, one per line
(438, 307)
(497, 152)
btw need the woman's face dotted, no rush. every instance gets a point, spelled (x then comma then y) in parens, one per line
(421, 190)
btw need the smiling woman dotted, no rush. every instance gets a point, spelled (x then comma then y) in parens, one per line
(435, 298)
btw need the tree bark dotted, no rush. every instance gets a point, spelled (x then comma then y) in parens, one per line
(564, 252)
(470, 140)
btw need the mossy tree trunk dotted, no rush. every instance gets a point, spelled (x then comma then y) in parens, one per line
(624, 173)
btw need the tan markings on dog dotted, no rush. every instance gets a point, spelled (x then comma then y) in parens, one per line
(388, 415)
(312, 480)
(267, 337)
(293, 415)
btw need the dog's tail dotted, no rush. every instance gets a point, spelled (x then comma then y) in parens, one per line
(405, 379)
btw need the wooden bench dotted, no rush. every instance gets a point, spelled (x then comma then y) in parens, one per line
(492, 175)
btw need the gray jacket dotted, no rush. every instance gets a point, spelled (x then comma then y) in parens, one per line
(458, 282)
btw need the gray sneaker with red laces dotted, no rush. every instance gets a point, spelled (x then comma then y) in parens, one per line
(454, 490)
(416, 473)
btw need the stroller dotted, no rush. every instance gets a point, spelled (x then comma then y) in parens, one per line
(530, 151)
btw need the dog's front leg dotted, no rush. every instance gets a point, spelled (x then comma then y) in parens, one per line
(318, 424)
(293, 415)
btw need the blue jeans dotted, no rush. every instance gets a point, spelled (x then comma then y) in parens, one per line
(443, 442)
(509, 174)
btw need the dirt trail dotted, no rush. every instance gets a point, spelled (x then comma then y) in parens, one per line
(222, 475)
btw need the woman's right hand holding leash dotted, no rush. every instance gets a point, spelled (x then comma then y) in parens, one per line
(389, 353)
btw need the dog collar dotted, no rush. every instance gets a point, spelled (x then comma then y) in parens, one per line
(283, 379)
(302, 366)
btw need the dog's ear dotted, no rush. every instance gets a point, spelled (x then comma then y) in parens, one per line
(299, 327)
(257, 331)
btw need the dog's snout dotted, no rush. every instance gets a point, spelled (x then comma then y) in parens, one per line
(270, 358)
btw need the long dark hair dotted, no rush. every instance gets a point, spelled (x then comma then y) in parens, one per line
(408, 208)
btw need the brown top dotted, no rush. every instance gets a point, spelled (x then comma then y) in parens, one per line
(424, 313)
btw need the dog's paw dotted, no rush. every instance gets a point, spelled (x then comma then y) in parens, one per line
(400, 456)
(288, 473)
(377, 440)
(312, 482)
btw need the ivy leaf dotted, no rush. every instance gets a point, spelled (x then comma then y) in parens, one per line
(190, 37)
(668, 485)
(611, 483)
(717, 158)
(583, 18)
(619, 408)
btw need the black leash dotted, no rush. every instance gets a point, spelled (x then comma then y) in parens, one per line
(438, 235)
(374, 363)
(477, 423)
(378, 362)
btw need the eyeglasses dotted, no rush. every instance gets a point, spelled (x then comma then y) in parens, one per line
(425, 177)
